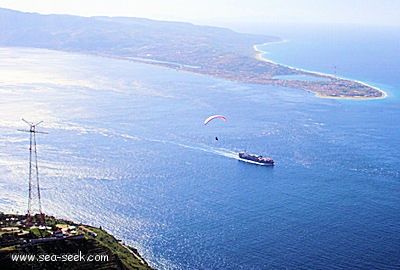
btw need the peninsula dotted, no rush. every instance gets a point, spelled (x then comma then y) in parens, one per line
(207, 50)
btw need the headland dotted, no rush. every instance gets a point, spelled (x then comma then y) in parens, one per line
(328, 85)
(213, 51)
(44, 242)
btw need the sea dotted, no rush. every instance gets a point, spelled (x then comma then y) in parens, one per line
(123, 146)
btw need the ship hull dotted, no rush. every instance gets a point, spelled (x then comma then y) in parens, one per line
(254, 162)
(255, 159)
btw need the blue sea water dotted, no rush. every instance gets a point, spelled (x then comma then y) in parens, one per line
(127, 150)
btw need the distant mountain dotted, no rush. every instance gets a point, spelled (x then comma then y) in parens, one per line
(122, 36)
(207, 50)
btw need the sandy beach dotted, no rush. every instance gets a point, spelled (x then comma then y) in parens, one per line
(259, 56)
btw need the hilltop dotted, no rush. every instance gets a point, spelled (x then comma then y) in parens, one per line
(124, 37)
(214, 51)
(62, 244)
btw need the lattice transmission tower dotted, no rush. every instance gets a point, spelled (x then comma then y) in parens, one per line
(33, 167)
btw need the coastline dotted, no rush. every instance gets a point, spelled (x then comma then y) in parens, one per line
(42, 234)
(259, 56)
(333, 87)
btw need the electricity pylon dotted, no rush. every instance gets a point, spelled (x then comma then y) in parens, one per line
(33, 166)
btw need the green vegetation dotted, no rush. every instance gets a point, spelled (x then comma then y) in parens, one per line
(85, 247)
(214, 51)
(128, 255)
(40, 233)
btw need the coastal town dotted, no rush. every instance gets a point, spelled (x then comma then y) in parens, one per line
(213, 51)
(258, 70)
(25, 231)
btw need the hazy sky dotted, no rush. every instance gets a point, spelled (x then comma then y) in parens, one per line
(384, 12)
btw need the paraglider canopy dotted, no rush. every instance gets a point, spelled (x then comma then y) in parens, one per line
(212, 117)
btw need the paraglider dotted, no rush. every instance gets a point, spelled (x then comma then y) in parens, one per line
(212, 117)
